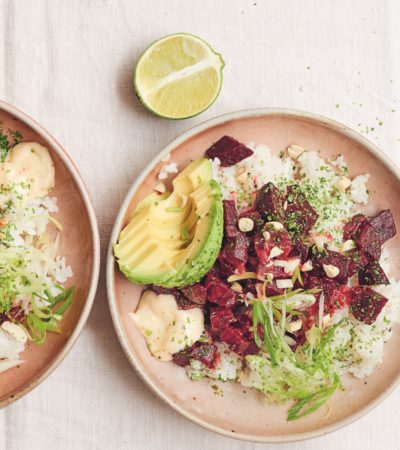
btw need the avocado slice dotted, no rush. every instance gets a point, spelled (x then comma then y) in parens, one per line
(174, 240)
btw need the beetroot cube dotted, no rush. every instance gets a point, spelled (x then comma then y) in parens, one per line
(220, 318)
(300, 215)
(300, 249)
(372, 274)
(368, 241)
(234, 254)
(250, 286)
(234, 337)
(358, 260)
(205, 352)
(255, 216)
(244, 323)
(276, 238)
(384, 226)
(229, 151)
(219, 292)
(163, 290)
(182, 358)
(336, 259)
(269, 203)
(196, 293)
(353, 228)
(366, 304)
(272, 289)
(230, 219)
(17, 312)
(183, 302)
(299, 336)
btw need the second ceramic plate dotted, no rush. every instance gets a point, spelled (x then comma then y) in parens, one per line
(244, 413)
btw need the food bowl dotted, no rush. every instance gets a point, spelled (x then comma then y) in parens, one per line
(79, 243)
(244, 413)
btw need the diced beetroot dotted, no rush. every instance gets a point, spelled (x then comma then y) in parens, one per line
(230, 219)
(216, 270)
(220, 318)
(336, 259)
(272, 289)
(251, 349)
(276, 272)
(234, 254)
(372, 274)
(336, 296)
(245, 324)
(229, 151)
(234, 337)
(300, 216)
(384, 226)
(358, 260)
(3, 318)
(300, 249)
(353, 228)
(219, 292)
(182, 358)
(182, 301)
(368, 241)
(269, 203)
(249, 286)
(17, 312)
(255, 216)
(299, 336)
(340, 298)
(366, 304)
(163, 290)
(196, 293)
(277, 238)
(205, 352)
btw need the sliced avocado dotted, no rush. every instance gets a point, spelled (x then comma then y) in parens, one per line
(174, 241)
(193, 176)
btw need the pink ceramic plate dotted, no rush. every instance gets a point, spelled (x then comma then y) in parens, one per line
(244, 413)
(79, 243)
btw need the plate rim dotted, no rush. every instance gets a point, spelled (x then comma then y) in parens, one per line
(73, 170)
(219, 120)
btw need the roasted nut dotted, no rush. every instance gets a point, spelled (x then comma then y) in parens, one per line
(245, 224)
(331, 270)
(294, 151)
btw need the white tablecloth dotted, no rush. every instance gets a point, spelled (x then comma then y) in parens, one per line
(69, 64)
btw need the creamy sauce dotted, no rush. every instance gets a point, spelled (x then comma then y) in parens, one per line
(166, 328)
(29, 163)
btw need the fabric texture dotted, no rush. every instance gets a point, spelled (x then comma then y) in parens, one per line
(69, 65)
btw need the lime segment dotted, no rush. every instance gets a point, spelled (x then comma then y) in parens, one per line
(178, 76)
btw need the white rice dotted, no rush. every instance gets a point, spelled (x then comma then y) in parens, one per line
(166, 170)
(241, 180)
(359, 191)
(228, 367)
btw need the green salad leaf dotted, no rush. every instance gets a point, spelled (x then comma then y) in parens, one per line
(308, 376)
(41, 320)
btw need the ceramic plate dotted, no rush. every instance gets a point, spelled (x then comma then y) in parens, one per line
(79, 243)
(244, 413)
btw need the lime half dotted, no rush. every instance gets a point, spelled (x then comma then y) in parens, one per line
(178, 76)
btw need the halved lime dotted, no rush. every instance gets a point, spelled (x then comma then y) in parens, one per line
(178, 76)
